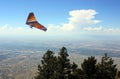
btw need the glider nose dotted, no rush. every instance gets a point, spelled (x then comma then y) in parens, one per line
(45, 29)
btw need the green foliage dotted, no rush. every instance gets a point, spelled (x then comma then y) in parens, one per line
(56, 67)
(60, 67)
(89, 68)
(64, 66)
(107, 69)
(46, 70)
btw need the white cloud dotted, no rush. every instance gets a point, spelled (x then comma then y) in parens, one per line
(83, 21)
(60, 28)
(67, 27)
(8, 30)
(102, 29)
(80, 21)
(55, 28)
(112, 30)
(83, 17)
(77, 19)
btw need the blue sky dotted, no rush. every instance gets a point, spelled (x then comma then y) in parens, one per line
(63, 18)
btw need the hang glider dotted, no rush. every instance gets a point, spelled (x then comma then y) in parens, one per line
(32, 22)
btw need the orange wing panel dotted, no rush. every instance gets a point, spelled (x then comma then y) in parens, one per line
(39, 26)
(31, 18)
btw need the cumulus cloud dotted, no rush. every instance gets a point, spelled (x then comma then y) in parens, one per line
(83, 17)
(77, 19)
(8, 30)
(102, 29)
(84, 20)
(64, 27)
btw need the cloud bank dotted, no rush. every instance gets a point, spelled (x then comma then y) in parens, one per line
(78, 19)
(79, 22)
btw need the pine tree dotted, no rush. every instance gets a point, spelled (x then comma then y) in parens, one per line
(46, 70)
(56, 67)
(77, 73)
(89, 68)
(107, 68)
(64, 67)
(59, 67)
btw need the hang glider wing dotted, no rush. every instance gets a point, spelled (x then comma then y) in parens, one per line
(32, 22)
